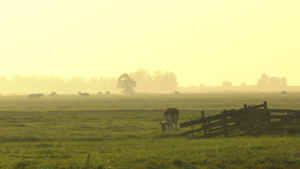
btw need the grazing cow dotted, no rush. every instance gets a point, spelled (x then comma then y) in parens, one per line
(99, 93)
(171, 115)
(296, 119)
(53, 94)
(283, 92)
(39, 95)
(83, 94)
(176, 92)
(107, 93)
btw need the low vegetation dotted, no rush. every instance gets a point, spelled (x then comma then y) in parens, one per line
(131, 137)
(135, 102)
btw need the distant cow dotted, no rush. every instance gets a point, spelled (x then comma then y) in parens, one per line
(53, 94)
(283, 92)
(176, 92)
(107, 93)
(39, 95)
(99, 93)
(83, 94)
(170, 117)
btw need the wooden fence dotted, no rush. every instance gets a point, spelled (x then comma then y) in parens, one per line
(254, 120)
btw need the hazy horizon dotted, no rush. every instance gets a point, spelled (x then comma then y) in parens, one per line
(202, 42)
(67, 78)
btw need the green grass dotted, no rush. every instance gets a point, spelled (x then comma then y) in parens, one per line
(133, 139)
(146, 102)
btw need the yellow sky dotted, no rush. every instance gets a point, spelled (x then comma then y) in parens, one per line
(201, 41)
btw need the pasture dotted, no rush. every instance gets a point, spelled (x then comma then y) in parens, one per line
(122, 131)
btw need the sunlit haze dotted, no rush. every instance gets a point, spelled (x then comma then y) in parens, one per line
(204, 42)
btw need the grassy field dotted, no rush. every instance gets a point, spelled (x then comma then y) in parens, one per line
(146, 102)
(123, 132)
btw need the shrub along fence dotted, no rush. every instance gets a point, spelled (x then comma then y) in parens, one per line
(255, 120)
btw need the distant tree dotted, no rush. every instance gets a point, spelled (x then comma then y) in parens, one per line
(264, 80)
(108, 83)
(3, 83)
(164, 81)
(243, 84)
(227, 84)
(126, 84)
(143, 79)
(274, 82)
(283, 82)
(201, 85)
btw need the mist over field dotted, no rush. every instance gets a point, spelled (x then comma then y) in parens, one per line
(201, 42)
(86, 84)
(144, 82)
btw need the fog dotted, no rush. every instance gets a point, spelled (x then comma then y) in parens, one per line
(146, 82)
(201, 42)
(157, 81)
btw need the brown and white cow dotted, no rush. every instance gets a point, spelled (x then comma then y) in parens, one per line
(170, 117)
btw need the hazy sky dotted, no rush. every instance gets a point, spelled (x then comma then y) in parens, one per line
(201, 41)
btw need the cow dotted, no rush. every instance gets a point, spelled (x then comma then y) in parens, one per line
(39, 95)
(99, 93)
(170, 117)
(176, 92)
(83, 94)
(53, 94)
(107, 93)
(283, 92)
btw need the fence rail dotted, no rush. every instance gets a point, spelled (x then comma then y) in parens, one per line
(251, 119)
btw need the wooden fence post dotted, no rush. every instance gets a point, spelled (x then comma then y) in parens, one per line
(192, 129)
(202, 114)
(224, 124)
(249, 121)
(209, 122)
(266, 107)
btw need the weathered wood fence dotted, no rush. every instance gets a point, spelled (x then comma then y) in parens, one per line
(254, 120)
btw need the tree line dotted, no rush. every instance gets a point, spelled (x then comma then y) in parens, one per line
(44, 83)
(158, 81)
(263, 82)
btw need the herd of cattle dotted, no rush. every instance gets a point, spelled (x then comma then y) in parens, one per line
(39, 95)
(170, 115)
(87, 94)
